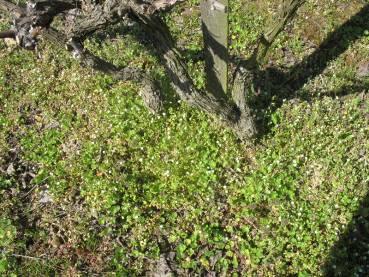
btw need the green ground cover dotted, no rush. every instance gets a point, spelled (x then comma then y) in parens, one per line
(92, 183)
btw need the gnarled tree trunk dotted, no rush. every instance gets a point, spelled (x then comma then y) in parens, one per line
(83, 17)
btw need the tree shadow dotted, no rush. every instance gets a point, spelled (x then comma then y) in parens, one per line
(271, 87)
(350, 255)
(334, 45)
(274, 86)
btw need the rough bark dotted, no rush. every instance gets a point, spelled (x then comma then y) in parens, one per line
(11, 8)
(149, 91)
(82, 22)
(244, 74)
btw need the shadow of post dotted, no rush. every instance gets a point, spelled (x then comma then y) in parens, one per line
(334, 45)
(350, 255)
(216, 61)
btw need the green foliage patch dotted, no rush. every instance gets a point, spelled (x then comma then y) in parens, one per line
(92, 183)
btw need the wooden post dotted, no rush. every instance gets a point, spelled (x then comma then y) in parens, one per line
(214, 16)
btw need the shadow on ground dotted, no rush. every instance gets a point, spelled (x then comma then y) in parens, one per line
(273, 85)
(350, 255)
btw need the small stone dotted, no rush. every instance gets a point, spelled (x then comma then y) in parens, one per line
(162, 268)
(171, 256)
(10, 43)
(10, 170)
(363, 69)
(45, 197)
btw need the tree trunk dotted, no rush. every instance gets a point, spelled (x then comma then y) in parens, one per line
(81, 20)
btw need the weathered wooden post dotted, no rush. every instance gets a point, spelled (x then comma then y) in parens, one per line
(214, 16)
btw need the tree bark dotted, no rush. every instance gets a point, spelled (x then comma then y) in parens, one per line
(92, 18)
(149, 91)
(246, 70)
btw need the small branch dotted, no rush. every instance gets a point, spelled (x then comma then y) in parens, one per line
(28, 192)
(253, 225)
(244, 74)
(27, 257)
(284, 15)
(81, 23)
(150, 91)
(7, 34)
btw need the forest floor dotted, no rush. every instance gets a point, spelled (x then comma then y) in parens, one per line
(91, 183)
